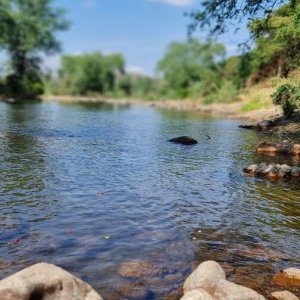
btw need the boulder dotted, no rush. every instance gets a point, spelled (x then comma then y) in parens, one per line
(206, 277)
(283, 295)
(289, 278)
(198, 294)
(226, 290)
(284, 147)
(47, 282)
(248, 126)
(184, 140)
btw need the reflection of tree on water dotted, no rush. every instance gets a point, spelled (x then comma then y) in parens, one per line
(23, 183)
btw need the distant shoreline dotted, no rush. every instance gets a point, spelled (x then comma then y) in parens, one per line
(228, 110)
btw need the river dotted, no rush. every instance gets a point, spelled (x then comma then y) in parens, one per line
(89, 187)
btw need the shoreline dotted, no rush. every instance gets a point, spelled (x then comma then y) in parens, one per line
(228, 110)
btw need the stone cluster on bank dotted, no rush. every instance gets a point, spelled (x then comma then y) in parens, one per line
(44, 281)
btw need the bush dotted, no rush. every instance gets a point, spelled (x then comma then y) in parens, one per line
(30, 87)
(288, 96)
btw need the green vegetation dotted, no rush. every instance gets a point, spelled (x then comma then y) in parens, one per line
(190, 69)
(27, 29)
(288, 97)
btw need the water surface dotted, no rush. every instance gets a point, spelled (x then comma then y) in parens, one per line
(89, 187)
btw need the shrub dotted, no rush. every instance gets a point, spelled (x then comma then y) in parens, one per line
(288, 97)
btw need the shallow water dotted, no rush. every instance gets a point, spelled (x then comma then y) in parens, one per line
(89, 187)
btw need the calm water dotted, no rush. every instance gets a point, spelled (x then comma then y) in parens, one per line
(91, 187)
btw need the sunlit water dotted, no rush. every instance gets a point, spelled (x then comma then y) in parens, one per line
(91, 187)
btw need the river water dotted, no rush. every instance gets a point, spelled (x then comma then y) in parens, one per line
(91, 187)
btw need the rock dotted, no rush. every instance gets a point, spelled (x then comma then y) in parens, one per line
(248, 126)
(138, 269)
(284, 147)
(226, 290)
(265, 125)
(198, 294)
(273, 171)
(206, 276)
(47, 282)
(288, 278)
(184, 140)
(283, 295)
(134, 291)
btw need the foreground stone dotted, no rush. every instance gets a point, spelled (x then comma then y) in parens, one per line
(184, 140)
(264, 125)
(208, 282)
(283, 295)
(289, 278)
(47, 282)
(273, 171)
(284, 147)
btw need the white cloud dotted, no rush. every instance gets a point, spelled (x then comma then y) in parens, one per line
(176, 2)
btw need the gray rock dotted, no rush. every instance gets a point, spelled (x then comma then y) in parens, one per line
(206, 277)
(47, 282)
(226, 290)
(295, 171)
(198, 294)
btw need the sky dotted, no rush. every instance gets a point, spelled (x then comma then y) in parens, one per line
(139, 29)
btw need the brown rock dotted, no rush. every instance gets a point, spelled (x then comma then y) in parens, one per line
(206, 276)
(284, 147)
(283, 295)
(138, 269)
(47, 282)
(184, 140)
(288, 278)
(226, 290)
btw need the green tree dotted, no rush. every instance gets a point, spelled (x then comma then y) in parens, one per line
(216, 14)
(189, 63)
(27, 29)
(90, 73)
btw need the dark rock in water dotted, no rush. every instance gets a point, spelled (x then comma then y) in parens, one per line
(248, 126)
(265, 125)
(184, 140)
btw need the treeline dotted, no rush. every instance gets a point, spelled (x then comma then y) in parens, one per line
(190, 69)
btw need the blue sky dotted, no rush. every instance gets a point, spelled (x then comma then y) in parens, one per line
(139, 29)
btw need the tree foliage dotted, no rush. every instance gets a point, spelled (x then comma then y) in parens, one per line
(27, 29)
(90, 73)
(192, 63)
(216, 14)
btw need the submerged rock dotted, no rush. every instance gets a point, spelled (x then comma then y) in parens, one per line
(289, 278)
(138, 269)
(184, 140)
(47, 282)
(247, 126)
(284, 147)
(273, 171)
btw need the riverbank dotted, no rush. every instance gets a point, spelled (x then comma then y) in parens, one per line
(229, 110)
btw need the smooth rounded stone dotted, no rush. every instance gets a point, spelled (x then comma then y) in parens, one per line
(289, 278)
(251, 169)
(282, 295)
(198, 294)
(226, 290)
(47, 282)
(138, 269)
(206, 276)
(265, 125)
(184, 140)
